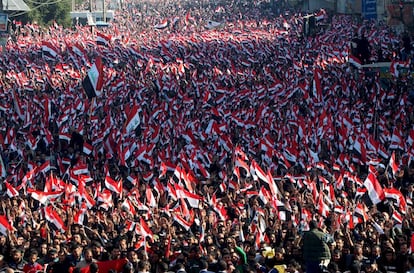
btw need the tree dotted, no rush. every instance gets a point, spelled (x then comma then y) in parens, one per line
(49, 12)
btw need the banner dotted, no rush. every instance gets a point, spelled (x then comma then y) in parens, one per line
(369, 9)
(106, 266)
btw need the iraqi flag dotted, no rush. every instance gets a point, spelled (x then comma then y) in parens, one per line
(49, 49)
(393, 164)
(192, 199)
(5, 225)
(87, 148)
(317, 85)
(321, 15)
(93, 82)
(375, 191)
(212, 24)
(79, 216)
(102, 39)
(113, 185)
(162, 25)
(355, 61)
(54, 219)
(145, 230)
(182, 222)
(44, 197)
(133, 119)
(11, 191)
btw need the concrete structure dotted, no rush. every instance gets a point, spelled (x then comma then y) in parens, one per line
(14, 5)
(396, 15)
(90, 18)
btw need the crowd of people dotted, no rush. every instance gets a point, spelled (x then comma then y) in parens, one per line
(217, 138)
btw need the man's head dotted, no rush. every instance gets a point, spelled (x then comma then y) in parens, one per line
(132, 256)
(96, 248)
(313, 224)
(17, 255)
(88, 255)
(33, 256)
(76, 250)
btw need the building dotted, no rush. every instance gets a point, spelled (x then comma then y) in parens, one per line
(13, 5)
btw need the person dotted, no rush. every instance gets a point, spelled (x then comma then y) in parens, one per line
(370, 266)
(75, 256)
(221, 266)
(3, 265)
(99, 253)
(32, 266)
(364, 49)
(17, 262)
(293, 266)
(315, 249)
(88, 259)
(93, 268)
(144, 267)
(387, 262)
(204, 266)
(358, 255)
(410, 263)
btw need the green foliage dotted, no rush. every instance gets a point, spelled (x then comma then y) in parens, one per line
(49, 12)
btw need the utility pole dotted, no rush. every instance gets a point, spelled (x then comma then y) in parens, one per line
(103, 11)
(91, 10)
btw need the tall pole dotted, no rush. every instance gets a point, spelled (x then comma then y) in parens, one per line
(103, 11)
(90, 10)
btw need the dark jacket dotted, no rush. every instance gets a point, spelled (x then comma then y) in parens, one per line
(314, 246)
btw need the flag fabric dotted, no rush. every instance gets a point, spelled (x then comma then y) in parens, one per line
(393, 164)
(80, 169)
(108, 266)
(49, 49)
(5, 225)
(103, 39)
(44, 197)
(105, 199)
(212, 24)
(10, 190)
(133, 119)
(128, 206)
(111, 184)
(53, 217)
(89, 200)
(397, 217)
(45, 167)
(79, 216)
(162, 25)
(361, 212)
(320, 15)
(395, 195)
(192, 199)
(397, 66)
(374, 189)
(182, 222)
(355, 61)
(145, 229)
(87, 148)
(150, 199)
(93, 82)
